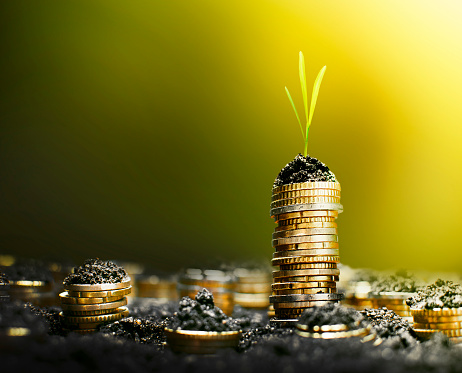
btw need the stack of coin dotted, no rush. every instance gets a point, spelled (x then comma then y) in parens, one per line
(220, 283)
(306, 245)
(4, 289)
(357, 295)
(253, 288)
(336, 331)
(395, 301)
(156, 287)
(87, 306)
(38, 293)
(443, 320)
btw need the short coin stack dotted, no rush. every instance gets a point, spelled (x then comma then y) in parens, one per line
(395, 301)
(87, 306)
(443, 320)
(253, 288)
(306, 244)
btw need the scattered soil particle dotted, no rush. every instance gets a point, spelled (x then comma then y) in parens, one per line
(331, 314)
(29, 270)
(303, 169)
(201, 314)
(400, 282)
(137, 329)
(387, 323)
(438, 295)
(50, 316)
(95, 271)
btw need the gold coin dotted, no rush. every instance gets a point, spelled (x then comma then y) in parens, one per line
(295, 267)
(318, 224)
(66, 299)
(306, 291)
(98, 287)
(253, 288)
(439, 326)
(437, 312)
(390, 302)
(436, 319)
(304, 232)
(306, 193)
(425, 333)
(307, 304)
(306, 259)
(302, 285)
(88, 313)
(305, 239)
(305, 253)
(308, 185)
(303, 200)
(93, 307)
(100, 294)
(306, 214)
(307, 272)
(306, 279)
(118, 314)
(298, 221)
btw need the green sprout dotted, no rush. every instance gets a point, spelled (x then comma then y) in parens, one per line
(314, 97)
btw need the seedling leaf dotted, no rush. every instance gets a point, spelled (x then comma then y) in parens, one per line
(295, 110)
(301, 71)
(314, 95)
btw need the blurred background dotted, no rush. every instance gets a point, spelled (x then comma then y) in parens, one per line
(152, 131)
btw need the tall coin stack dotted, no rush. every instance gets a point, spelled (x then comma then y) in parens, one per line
(86, 307)
(306, 245)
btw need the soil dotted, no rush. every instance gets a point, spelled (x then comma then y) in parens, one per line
(438, 295)
(400, 282)
(387, 323)
(95, 271)
(202, 314)
(331, 314)
(303, 169)
(19, 315)
(29, 270)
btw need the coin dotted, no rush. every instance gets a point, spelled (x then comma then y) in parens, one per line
(66, 299)
(289, 254)
(302, 285)
(119, 313)
(306, 278)
(306, 214)
(68, 313)
(305, 297)
(94, 307)
(305, 239)
(307, 304)
(306, 291)
(253, 288)
(98, 287)
(318, 265)
(298, 221)
(307, 246)
(425, 333)
(306, 259)
(307, 185)
(318, 224)
(306, 206)
(438, 326)
(437, 312)
(306, 193)
(303, 200)
(304, 232)
(436, 319)
(100, 294)
(307, 272)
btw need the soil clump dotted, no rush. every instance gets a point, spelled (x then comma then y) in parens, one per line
(95, 271)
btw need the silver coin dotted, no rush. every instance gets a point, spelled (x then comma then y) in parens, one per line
(303, 239)
(305, 297)
(306, 206)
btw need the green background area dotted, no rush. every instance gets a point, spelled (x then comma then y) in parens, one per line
(152, 131)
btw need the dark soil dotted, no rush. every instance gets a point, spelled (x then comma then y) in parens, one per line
(331, 314)
(400, 282)
(387, 323)
(19, 315)
(95, 271)
(201, 314)
(137, 329)
(438, 295)
(29, 270)
(3, 279)
(303, 169)
(50, 316)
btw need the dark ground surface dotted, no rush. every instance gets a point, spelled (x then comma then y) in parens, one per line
(303, 169)
(137, 344)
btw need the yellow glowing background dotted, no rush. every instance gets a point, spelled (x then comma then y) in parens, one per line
(153, 130)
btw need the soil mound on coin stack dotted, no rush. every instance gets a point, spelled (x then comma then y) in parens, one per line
(305, 203)
(303, 169)
(95, 271)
